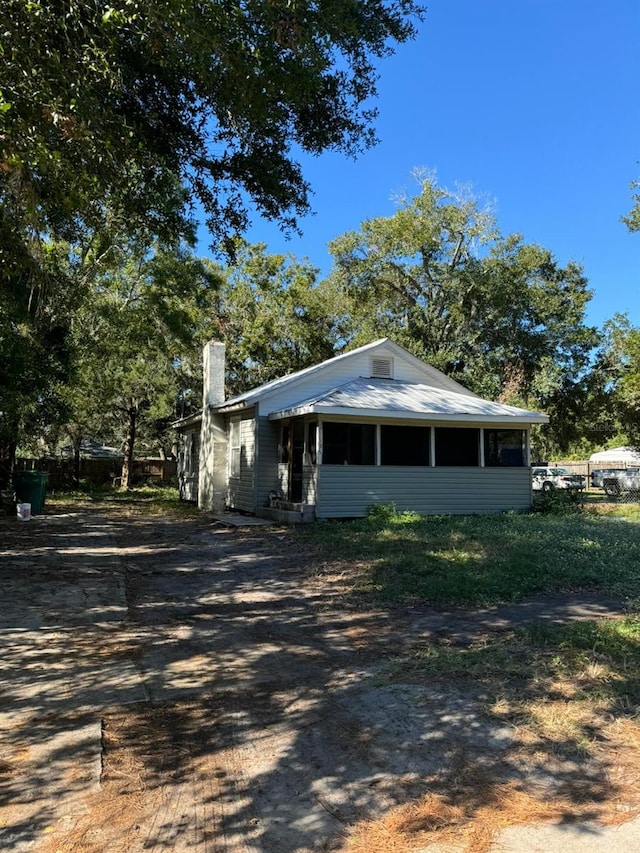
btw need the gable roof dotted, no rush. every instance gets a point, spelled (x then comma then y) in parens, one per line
(387, 398)
(299, 377)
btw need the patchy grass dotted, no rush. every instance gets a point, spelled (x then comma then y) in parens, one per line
(403, 558)
(149, 499)
(582, 661)
(568, 696)
(626, 511)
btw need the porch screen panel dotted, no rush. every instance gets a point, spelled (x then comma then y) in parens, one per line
(348, 444)
(457, 446)
(504, 448)
(404, 445)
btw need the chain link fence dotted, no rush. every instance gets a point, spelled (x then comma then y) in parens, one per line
(620, 483)
(622, 487)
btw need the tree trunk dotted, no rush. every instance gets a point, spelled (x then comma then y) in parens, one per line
(76, 465)
(7, 459)
(127, 462)
(75, 434)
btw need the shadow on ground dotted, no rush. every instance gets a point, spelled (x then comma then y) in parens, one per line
(193, 688)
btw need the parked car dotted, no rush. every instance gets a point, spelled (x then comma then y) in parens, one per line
(617, 481)
(600, 474)
(547, 479)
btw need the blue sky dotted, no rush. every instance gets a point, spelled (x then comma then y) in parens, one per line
(532, 102)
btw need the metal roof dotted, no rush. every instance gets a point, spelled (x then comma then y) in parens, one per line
(387, 398)
(250, 397)
(189, 420)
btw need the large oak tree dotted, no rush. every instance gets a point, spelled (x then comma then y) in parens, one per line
(274, 317)
(496, 313)
(146, 316)
(144, 111)
(112, 101)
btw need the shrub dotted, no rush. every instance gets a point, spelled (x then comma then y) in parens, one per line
(381, 513)
(558, 502)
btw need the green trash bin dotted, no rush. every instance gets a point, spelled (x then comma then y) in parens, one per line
(30, 488)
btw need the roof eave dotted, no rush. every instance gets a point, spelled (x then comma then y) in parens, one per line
(224, 408)
(189, 420)
(395, 414)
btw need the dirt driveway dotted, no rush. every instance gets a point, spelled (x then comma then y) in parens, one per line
(187, 686)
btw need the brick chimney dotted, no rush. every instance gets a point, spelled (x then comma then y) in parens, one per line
(213, 367)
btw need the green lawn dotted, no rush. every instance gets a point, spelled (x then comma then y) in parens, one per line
(403, 558)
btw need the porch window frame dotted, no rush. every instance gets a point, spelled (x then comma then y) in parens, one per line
(523, 446)
(321, 460)
(479, 443)
(382, 444)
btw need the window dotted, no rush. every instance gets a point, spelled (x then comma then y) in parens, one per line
(404, 445)
(457, 446)
(504, 448)
(234, 448)
(348, 444)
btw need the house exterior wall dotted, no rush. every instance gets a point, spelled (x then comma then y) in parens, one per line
(310, 485)
(333, 375)
(269, 474)
(275, 477)
(260, 472)
(239, 447)
(189, 464)
(347, 491)
(212, 478)
(240, 490)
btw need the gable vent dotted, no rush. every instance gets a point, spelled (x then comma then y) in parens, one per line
(382, 368)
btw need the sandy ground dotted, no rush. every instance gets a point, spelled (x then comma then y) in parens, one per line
(187, 686)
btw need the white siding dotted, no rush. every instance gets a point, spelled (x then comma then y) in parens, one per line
(189, 464)
(343, 371)
(241, 489)
(270, 474)
(268, 477)
(347, 491)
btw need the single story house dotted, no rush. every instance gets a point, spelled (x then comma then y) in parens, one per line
(375, 425)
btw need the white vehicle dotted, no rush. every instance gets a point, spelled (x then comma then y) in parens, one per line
(547, 479)
(615, 483)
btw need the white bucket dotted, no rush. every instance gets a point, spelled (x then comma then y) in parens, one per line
(24, 512)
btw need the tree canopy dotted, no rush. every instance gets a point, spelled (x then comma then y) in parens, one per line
(131, 115)
(615, 395)
(632, 219)
(274, 317)
(498, 314)
(122, 103)
(145, 316)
